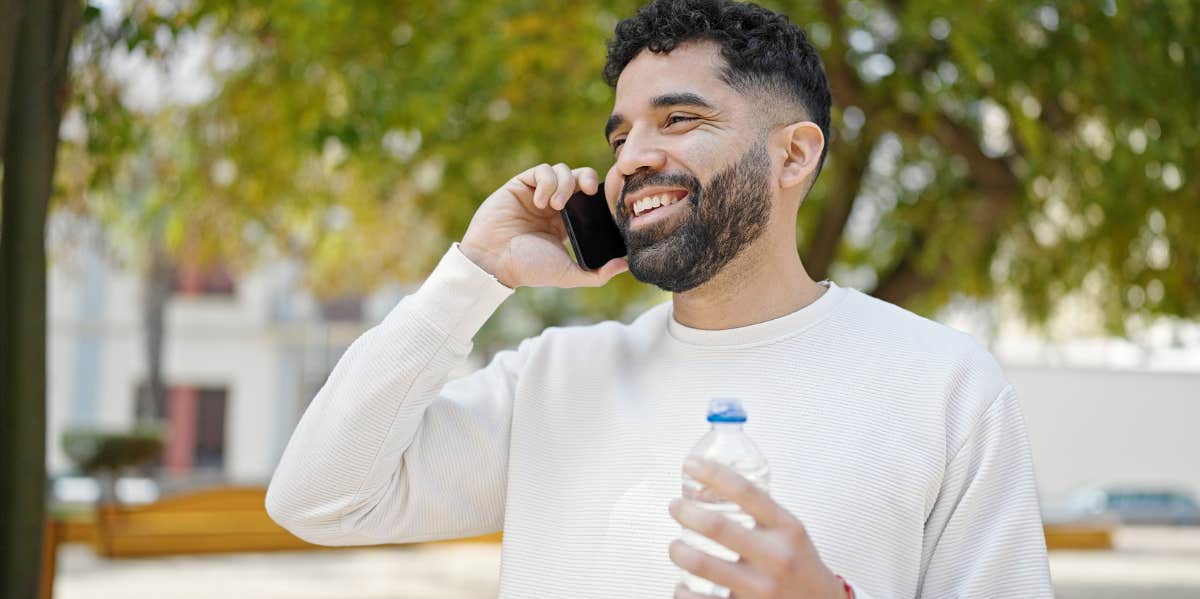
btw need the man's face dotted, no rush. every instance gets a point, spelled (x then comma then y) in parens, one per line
(685, 140)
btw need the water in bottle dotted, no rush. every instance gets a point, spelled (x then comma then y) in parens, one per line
(726, 443)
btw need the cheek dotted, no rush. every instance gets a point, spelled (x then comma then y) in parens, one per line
(703, 156)
(712, 156)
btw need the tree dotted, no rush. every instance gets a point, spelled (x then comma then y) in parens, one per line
(1021, 149)
(35, 39)
(1033, 149)
(1026, 150)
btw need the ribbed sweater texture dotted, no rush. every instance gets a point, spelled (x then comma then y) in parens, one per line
(896, 440)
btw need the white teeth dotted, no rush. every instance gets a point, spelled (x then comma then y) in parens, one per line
(644, 204)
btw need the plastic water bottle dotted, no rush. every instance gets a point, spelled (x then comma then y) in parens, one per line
(728, 444)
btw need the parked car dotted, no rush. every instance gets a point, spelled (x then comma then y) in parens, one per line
(1126, 505)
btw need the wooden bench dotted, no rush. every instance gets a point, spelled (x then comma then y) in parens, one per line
(220, 520)
(1078, 536)
(217, 520)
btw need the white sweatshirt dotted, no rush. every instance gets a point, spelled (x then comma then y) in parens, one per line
(896, 440)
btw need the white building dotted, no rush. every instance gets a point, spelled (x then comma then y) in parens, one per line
(242, 366)
(241, 359)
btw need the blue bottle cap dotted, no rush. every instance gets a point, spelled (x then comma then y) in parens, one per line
(725, 409)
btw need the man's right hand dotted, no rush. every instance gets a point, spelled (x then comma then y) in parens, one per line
(518, 236)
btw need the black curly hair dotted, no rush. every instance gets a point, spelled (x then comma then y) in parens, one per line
(763, 51)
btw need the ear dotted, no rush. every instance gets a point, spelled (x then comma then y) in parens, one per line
(802, 144)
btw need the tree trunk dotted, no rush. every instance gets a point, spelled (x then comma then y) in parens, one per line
(12, 11)
(156, 291)
(34, 101)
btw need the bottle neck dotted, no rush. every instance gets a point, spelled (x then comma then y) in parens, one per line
(727, 426)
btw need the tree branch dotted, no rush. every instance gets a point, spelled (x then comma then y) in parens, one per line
(843, 82)
(905, 281)
(997, 187)
(896, 6)
(67, 19)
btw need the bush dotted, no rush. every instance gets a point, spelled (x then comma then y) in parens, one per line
(96, 451)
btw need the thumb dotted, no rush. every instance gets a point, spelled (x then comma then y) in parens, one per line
(613, 268)
(600, 276)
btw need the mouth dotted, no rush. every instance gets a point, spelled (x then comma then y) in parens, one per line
(655, 204)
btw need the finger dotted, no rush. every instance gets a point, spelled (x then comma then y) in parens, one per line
(733, 576)
(547, 182)
(587, 179)
(727, 483)
(525, 183)
(758, 547)
(566, 186)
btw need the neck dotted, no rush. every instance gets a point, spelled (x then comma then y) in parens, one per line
(760, 284)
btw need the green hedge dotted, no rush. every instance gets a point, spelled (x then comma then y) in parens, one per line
(94, 451)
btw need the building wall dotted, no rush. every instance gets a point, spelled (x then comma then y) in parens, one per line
(1096, 426)
(266, 345)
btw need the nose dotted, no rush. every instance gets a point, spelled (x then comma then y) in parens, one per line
(640, 152)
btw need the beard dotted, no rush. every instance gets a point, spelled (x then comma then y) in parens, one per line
(722, 219)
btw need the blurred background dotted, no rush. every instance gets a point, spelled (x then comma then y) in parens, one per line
(242, 188)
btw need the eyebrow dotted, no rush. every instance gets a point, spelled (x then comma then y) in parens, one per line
(663, 101)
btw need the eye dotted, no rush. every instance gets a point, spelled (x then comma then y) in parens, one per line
(679, 118)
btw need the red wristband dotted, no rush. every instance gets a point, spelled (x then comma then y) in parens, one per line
(846, 586)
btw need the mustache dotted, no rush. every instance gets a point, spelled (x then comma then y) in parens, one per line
(639, 181)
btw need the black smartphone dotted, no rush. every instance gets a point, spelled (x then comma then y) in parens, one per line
(594, 236)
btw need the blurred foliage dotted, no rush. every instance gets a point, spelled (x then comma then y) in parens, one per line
(1032, 149)
(96, 451)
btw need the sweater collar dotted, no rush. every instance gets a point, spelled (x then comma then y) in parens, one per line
(785, 325)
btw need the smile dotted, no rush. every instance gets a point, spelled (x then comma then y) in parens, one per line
(650, 203)
(657, 207)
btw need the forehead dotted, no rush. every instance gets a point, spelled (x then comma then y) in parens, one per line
(693, 66)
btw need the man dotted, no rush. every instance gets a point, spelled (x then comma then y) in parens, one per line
(900, 464)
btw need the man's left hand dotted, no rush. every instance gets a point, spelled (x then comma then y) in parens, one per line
(778, 560)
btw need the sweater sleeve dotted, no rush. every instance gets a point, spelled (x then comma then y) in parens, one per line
(984, 535)
(388, 451)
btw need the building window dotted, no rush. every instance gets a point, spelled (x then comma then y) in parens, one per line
(195, 430)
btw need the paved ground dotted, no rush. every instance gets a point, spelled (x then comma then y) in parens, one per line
(1150, 562)
(451, 571)
(1163, 563)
